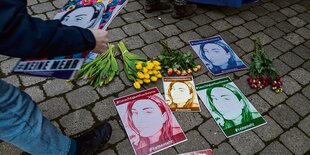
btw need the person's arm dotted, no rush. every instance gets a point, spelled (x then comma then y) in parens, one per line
(24, 36)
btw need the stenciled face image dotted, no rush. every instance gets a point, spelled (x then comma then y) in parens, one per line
(180, 93)
(143, 114)
(80, 17)
(216, 54)
(226, 103)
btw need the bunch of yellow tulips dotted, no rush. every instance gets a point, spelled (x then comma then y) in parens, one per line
(148, 71)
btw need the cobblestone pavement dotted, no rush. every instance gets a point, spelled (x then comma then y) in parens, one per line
(284, 26)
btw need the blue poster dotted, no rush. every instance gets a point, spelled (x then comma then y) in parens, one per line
(227, 3)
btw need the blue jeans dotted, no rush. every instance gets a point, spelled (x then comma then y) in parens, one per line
(23, 125)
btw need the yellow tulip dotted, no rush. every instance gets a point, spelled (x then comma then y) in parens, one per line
(140, 75)
(156, 63)
(144, 70)
(157, 68)
(140, 81)
(149, 65)
(146, 80)
(153, 78)
(150, 72)
(137, 85)
(139, 66)
(146, 76)
(159, 75)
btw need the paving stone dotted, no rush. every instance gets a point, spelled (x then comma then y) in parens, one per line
(288, 12)
(41, 16)
(133, 6)
(201, 19)
(188, 120)
(169, 30)
(150, 15)
(221, 25)
(3, 57)
(13, 80)
(104, 109)
(253, 26)
(152, 50)
(297, 22)
(248, 15)
(202, 78)
(59, 3)
(206, 31)
(124, 78)
(281, 67)
(51, 14)
(175, 42)
(274, 32)
(124, 147)
(282, 45)
(307, 43)
(152, 23)
(301, 75)
(203, 69)
(271, 97)
(294, 38)
(56, 87)
(240, 32)
(117, 22)
(304, 32)
(228, 37)
(115, 86)
(167, 151)
(296, 141)
(160, 87)
(133, 29)
(195, 142)
(88, 93)
(247, 143)
(243, 85)
(235, 20)
(109, 152)
(54, 107)
(167, 19)
(270, 6)
(116, 34)
(31, 2)
(290, 86)
(299, 103)
(43, 7)
(269, 131)
(117, 134)
(277, 16)
(275, 148)
(272, 52)
(133, 17)
(305, 17)
(229, 11)
(152, 36)
(211, 131)
(204, 112)
(307, 65)
(298, 8)
(133, 42)
(246, 44)
(185, 25)
(36, 93)
(224, 148)
(283, 4)
(77, 121)
(285, 26)
(9, 149)
(266, 21)
(260, 105)
(284, 115)
(241, 73)
(189, 35)
(215, 14)
(31, 80)
(304, 125)
(247, 58)
(291, 59)
(302, 51)
(237, 50)
(7, 66)
(259, 11)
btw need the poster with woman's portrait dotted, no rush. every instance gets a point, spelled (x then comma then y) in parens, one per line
(200, 152)
(217, 55)
(180, 94)
(149, 122)
(230, 109)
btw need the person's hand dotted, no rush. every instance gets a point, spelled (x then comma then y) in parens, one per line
(102, 40)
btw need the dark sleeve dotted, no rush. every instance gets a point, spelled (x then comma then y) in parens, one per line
(27, 37)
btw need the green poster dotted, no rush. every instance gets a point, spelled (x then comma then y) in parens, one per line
(229, 107)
